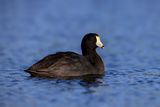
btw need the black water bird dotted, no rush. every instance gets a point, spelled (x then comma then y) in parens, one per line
(70, 63)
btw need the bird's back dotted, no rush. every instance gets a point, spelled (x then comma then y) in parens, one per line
(62, 64)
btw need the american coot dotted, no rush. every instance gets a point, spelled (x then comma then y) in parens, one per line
(70, 63)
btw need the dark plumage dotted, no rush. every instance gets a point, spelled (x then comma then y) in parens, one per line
(70, 63)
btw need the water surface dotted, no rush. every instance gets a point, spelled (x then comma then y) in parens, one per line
(30, 30)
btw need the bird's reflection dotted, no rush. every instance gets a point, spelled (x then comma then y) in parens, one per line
(73, 83)
(82, 80)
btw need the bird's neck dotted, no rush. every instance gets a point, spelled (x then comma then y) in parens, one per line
(92, 56)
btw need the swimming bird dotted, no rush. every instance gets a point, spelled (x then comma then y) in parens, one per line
(68, 63)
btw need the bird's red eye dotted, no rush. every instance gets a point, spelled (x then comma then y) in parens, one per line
(92, 38)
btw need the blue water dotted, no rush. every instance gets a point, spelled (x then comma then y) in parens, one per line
(129, 30)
